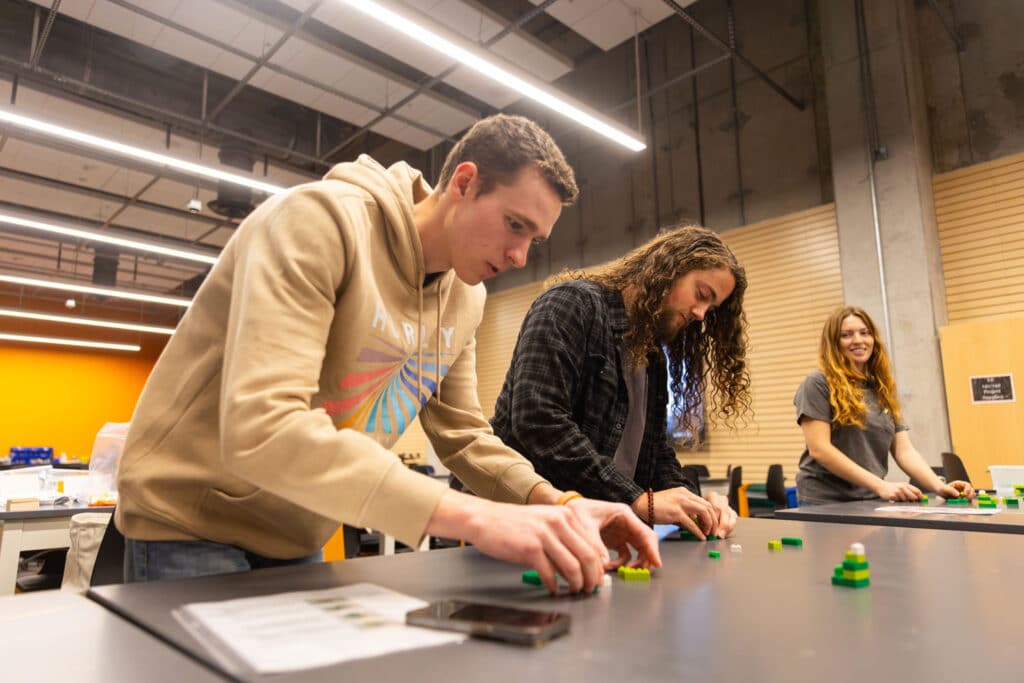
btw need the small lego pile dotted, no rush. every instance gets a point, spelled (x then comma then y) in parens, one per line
(854, 571)
(987, 501)
(959, 500)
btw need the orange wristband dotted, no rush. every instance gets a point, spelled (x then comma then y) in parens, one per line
(567, 496)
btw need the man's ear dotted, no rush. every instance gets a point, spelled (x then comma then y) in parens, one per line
(463, 180)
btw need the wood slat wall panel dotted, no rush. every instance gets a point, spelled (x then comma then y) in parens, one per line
(980, 215)
(786, 263)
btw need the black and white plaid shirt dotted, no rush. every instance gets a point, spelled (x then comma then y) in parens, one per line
(564, 402)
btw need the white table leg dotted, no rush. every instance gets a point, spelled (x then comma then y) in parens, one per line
(10, 550)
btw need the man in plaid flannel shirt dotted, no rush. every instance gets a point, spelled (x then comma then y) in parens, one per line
(586, 395)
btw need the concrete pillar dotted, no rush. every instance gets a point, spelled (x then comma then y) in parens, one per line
(913, 282)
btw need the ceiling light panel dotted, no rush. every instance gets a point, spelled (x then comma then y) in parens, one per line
(608, 23)
(423, 30)
(60, 341)
(82, 288)
(367, 84)
(479, 24)
(62, 112)
(39, 262)
(463, 18)
(83, 321)
(82, 234)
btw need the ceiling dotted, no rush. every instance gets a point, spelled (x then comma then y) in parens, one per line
(301, 84)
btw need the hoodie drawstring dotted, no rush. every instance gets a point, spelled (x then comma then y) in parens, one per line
(437, 341)
(419, 344)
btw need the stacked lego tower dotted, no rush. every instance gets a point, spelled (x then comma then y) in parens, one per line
(854, 571)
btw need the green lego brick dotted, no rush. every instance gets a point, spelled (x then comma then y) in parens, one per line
(792, 540)
(774, 545)
(857, 575)
(687, 536)
(1018, 489)
(924, 498)
(712, 537)
(838, 581)
(1011, 502)
(714, 554)
(532, 577)
(854, 566)
(987, 504)
(838, 571)
(957, 501)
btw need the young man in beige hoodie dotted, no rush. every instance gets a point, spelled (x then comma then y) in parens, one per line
(338, 312)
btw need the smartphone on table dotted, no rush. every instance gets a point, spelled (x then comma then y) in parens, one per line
(526, 627)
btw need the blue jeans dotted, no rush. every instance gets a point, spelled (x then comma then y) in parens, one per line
(158, 560)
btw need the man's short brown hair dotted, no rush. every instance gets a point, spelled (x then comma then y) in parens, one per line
(501, 146)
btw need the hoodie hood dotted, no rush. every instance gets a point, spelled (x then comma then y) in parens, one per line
(396, 190)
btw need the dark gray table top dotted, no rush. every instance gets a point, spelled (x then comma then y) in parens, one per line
(1007, 521)
(47, 510)
(63, 637)
(756, 615)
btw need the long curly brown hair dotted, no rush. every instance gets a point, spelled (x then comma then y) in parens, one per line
(709, 355)
(846, 382)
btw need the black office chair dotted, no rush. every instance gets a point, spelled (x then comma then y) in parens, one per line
(954, 468)
(775, 493)
(735, 481)
(775, 487)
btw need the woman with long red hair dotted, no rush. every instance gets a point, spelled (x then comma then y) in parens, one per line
(851, 420)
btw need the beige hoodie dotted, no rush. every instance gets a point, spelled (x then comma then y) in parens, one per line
(310, 347)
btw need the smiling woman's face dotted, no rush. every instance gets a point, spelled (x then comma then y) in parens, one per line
(856, 341)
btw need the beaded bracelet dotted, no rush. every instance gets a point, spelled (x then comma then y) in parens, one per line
(650, 507)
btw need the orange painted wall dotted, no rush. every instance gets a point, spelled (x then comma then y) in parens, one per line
(61, 398)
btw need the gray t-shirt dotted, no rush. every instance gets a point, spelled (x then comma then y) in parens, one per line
(868, 447)
(628, 452)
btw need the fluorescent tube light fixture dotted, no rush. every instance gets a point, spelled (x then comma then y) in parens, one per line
(469, 58)
(68, 342)
(79, 320)
(98, 291)
(106, 145)
(106, 239)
